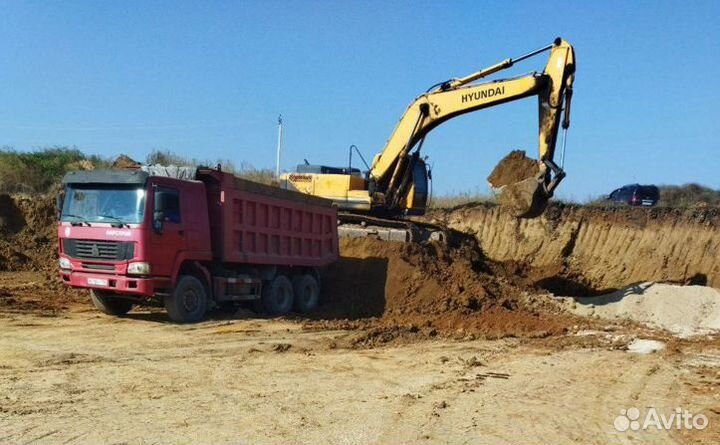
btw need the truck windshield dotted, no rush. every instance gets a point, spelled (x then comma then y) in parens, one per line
(103, 204)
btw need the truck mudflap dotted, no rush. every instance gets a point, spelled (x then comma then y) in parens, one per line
(109, 283)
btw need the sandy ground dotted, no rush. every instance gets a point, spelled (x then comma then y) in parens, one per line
(685, 311)
(80, 377)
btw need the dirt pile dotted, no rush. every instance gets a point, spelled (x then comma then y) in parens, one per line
(583, 250)
(11, 219)
(28, 244)
(125, 161)
(514, 167)
(685, 311)
(28, 239)
(400, 289)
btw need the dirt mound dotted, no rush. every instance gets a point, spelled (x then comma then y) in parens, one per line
(399, 289)
(514, 167)
(11, 219)
(28, 248)
(683, 310)
(125, 161)
(27, 237)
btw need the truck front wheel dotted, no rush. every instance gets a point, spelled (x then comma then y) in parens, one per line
(306, 293)
(188, 301)
(277, 296)
(109, 303)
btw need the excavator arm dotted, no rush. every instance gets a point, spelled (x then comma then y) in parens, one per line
(392, 169)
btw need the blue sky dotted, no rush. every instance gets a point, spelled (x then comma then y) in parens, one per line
(209, 78)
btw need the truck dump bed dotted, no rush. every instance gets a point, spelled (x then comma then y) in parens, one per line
(260, 224)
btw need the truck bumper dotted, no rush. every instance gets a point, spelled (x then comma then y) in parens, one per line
(109, 283)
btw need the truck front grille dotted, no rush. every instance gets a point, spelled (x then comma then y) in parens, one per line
(98, 250)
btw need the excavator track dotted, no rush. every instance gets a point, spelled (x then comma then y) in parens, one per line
(352, 225)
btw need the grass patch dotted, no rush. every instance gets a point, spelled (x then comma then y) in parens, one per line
(459, 199)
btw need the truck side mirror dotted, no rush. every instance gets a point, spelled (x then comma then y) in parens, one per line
(158, 219)
(158, 211)
(59, 198)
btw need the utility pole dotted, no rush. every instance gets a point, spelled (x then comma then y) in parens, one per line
(279, 147)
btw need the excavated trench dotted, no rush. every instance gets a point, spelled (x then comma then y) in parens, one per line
(498, 280)
(582, 250)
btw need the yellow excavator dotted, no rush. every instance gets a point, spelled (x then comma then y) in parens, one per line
(396, 183)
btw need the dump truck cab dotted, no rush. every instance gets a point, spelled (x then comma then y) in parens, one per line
(130, 225)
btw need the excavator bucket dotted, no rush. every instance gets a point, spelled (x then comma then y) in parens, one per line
(525, 199)
(519, 185)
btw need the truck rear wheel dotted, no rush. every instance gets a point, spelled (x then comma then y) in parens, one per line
(188, 301)
(277, 297)
(306, 293)
(108, 303)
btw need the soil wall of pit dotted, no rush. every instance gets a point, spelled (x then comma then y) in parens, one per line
(589, 250)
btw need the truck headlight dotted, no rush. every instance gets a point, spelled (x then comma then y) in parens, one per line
(65, 263)
(139, 268)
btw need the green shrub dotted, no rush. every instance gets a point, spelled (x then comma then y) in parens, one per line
(688, 195)
(37, 171)
(458, 199)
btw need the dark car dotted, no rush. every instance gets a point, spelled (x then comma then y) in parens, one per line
(636, 195)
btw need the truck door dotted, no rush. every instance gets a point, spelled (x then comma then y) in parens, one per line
(167, 239)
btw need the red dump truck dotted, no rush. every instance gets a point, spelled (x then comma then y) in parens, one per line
(191, 239)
